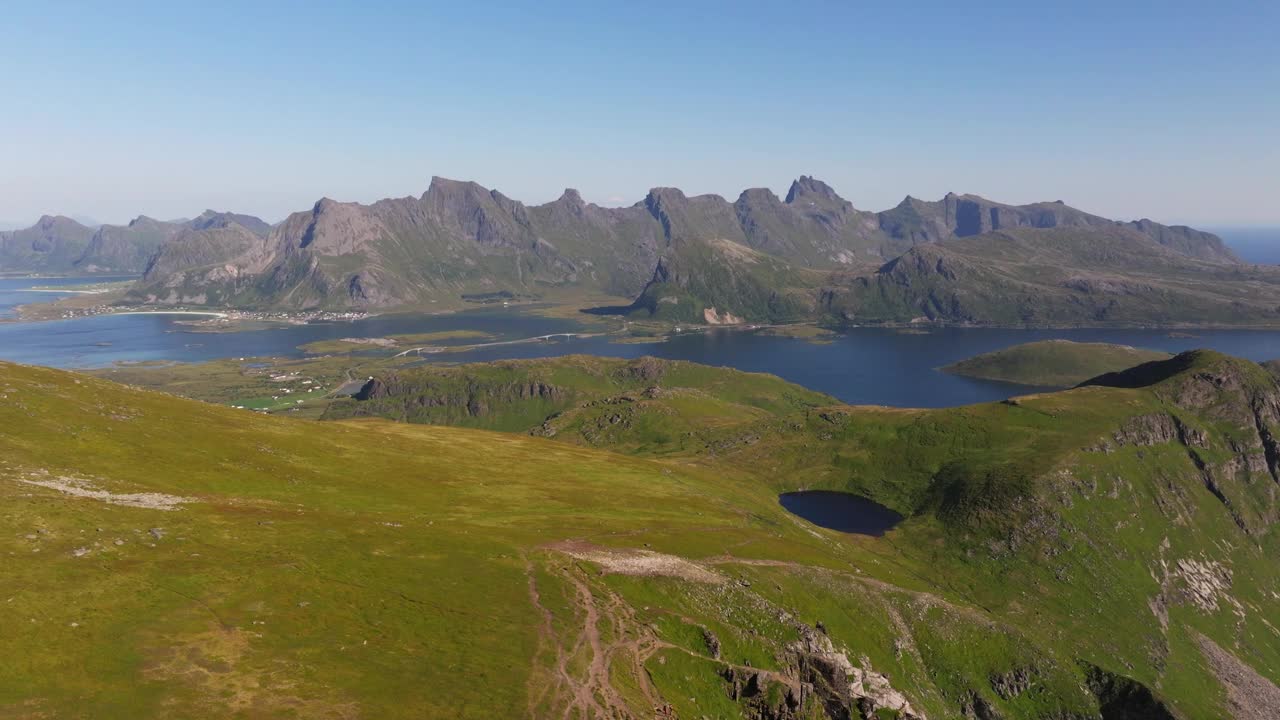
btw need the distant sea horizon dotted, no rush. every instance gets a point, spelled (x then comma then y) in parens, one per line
(1259, 245)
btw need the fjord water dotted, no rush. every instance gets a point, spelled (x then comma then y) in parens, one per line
(866, 366)
(15, 291)
(102, 340)
(840, 511)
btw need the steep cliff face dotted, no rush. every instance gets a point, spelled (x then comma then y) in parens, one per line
(215, 266)
(966, 215)
(1188, 241)
(814, 227)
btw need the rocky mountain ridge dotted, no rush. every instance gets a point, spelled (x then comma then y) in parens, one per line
(459, 238)
(701, 259)
(59, 244)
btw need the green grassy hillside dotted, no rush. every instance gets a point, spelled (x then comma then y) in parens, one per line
(1083, 554)
(1053, 363)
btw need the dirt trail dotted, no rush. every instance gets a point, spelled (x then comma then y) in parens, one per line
(579, 680)
(925, 598)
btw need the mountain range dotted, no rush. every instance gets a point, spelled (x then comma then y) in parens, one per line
(810, 255)
(62, 245)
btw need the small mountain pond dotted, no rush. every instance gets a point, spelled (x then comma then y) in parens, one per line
(840, 511)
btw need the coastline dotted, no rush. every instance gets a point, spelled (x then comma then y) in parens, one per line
(68, 292)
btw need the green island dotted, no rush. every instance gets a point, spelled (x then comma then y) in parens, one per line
(393, 342)
(1053, 363)
(1098, 552)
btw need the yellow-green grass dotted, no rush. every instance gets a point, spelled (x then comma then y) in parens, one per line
(808, 332)
(375, 569)
(392, 342)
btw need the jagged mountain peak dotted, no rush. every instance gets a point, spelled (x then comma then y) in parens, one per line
(48, 221)
(464, 196)
(327, 206)
(807, 186)
(571, 196)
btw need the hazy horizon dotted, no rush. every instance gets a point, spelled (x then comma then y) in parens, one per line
(166, 110)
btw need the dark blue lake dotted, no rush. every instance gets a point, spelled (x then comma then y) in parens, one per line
(874, 366)
(840, 511)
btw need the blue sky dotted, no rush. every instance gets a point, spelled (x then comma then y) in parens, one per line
(1167, 110)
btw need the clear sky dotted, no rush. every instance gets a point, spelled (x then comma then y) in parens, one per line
(1168, 110)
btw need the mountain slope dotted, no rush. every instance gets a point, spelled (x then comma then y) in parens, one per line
(1057, 277)
(966, 215)
(125, 248)
(52, 245)
(1084, 554)
(1133, 525)
(214, 219)
(457, 239)
(62, 245)
(722, 282)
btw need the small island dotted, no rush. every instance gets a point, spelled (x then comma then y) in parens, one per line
(1052, 363)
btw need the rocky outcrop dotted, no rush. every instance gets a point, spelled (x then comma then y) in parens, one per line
(750, 688)
(846, 690)
(1156, 429)
(648, 370)
(713, 317)
(1236, 393)
(1121, 697)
